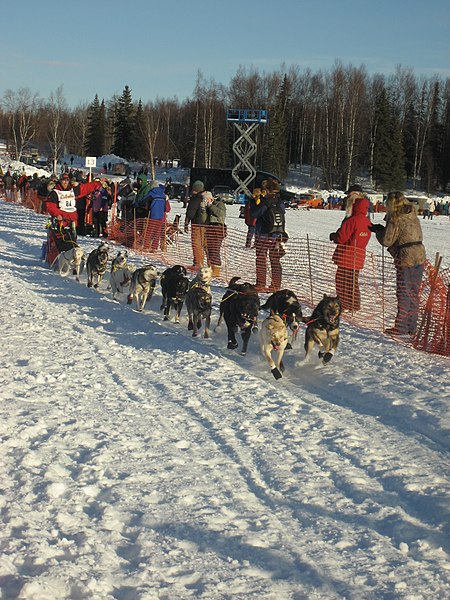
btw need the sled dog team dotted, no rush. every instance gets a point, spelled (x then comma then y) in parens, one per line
(239, 306)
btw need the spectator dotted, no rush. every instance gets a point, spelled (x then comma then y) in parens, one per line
(215, 231)
(8, 182)
(403, 238)
(100, 204)
(431, 207)
(352, 238)
(22, 184)
(270, 235)
(249, 220)
(196, 215)
(82, 204)
(140, 203)
(158, 205)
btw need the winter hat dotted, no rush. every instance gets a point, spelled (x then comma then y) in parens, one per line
(354, 188)
(271, 186)
(198, 186)
(154, 184)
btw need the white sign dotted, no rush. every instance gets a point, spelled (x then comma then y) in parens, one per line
(91, 161)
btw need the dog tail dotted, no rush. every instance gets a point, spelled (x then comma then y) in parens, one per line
(233, 281)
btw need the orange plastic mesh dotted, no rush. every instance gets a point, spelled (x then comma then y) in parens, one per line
(307, 269)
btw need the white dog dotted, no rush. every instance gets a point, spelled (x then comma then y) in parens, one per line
(119, 281)
(119, 261)
(203, 277)
(273, 337)
(70, 260)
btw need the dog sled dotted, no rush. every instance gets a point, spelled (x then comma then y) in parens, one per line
(61, 236)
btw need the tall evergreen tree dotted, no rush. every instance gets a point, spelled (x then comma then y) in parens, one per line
(96, 129)
(124, 126)
(434, 144)
(140, 143)
(389, 157)
(277, 149)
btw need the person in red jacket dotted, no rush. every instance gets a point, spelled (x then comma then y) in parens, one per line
(61, 206)
(352, 238)
(61, 200)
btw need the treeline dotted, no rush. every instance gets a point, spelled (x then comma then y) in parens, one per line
(340, 122)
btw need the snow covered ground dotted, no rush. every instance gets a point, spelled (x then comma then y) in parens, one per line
(139, 463)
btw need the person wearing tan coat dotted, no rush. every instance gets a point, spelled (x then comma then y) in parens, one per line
(403, 238)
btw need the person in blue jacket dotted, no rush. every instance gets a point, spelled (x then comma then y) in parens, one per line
(158, 206)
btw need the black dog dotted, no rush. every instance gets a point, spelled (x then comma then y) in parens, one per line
(239, 307)
(174, 287)
(323, 328)
(198, 304)
(96, 264)
(285, 304)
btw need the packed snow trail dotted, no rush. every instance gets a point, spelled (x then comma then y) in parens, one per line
(138, 462)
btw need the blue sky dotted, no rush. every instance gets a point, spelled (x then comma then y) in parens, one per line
(157, 48)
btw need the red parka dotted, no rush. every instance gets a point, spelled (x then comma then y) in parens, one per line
(352, 237)
(62, 202)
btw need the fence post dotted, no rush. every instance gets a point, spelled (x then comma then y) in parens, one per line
(355, 249)
(383, 297)
(309, 268)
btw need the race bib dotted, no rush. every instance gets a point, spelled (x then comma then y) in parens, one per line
(66, 200)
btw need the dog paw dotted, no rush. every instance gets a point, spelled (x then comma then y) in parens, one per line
(276, 373)
(327, 357)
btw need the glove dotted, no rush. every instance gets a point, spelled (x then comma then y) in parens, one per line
(333, 236)
(376, 227)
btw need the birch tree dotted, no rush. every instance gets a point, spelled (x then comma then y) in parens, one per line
(22, 109)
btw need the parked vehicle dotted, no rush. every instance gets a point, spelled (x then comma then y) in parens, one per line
(223, 192)
(312, 200)
(177, 191)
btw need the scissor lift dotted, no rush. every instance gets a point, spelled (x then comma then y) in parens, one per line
(246, 122)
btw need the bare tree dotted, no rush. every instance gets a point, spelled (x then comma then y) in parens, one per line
(149, 129)
(22, 108)
(426, 103)
(58, 123)
(79, 128)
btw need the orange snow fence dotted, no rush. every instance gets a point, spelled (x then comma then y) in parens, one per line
(369, 295)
